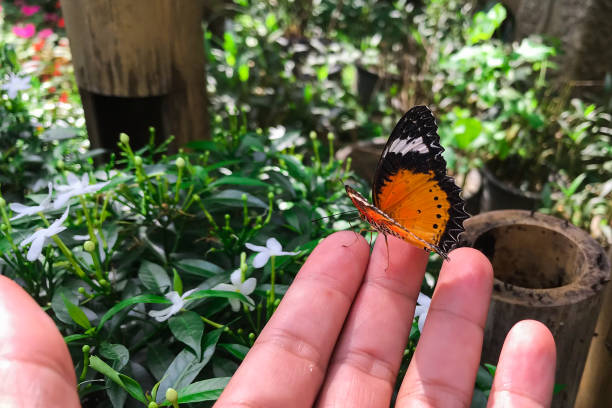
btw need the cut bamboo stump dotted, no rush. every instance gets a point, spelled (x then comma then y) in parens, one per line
(596, 385)
(139, 63)
(547, 270)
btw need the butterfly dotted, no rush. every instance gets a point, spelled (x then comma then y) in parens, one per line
(413, 197)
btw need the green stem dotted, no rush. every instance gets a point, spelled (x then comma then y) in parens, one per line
(178, 185)
(213, 324)
(272, 281)
(68, 254)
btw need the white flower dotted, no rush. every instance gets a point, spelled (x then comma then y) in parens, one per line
(272, 248)
(178, 302)
(39, 237)
(421, 310)
(246, 288)
(16, 84)
(23, 210)
(74, 188)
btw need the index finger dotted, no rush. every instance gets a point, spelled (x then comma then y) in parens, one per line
(287, 364)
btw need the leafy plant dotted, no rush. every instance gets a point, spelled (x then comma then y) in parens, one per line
(172, 233)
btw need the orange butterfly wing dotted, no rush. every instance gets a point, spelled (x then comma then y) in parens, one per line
(413, 197)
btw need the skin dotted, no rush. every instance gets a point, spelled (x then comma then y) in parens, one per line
(35, 366)
(338, 336)
(336, 339)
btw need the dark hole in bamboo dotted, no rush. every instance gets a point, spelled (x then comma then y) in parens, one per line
(531, 257)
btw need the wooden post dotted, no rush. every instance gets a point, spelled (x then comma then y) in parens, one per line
(596, 385)
(548, 270)
(139, 63)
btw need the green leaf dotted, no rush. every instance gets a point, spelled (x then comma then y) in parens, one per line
(558, 388)
(308, 92)
(199, 267)
(128, 302)
(271, 22)
(484, 379)
(295, 168)
(186, 366)
(237, 350)
(485, 24)
(177, 282)
(205, 390)
(154, 277)
(232, 198)
(479, 399)
(158, 359)
(58, 305)
(203, 145)
(243, 72)
(466, 130)
(219, 294)
(125, 382)
(75, 337)
(574, 186)
(229, 45)
(238, 180)
(77, 315)
(188, 328)
(115, 352)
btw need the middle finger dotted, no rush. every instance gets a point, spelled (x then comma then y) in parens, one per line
(366, 360)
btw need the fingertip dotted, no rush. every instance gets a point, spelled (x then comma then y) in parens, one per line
(532, 336)
(29, 333)
(472, 261)
(526, 369)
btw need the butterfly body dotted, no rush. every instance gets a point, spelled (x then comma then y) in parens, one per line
(413, 197)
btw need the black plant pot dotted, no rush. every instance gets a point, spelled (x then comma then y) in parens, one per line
(498, 195)
(366, 83)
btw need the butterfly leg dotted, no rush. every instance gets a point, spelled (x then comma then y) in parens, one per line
(356, 236)
(387, 246)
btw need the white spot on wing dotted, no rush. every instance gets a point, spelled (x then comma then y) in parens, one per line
(403, 146)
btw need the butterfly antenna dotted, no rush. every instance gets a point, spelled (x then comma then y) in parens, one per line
(333, 215)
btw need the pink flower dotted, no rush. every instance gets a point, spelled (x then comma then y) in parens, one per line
(25, 31)
(42, 34)
(29, 10)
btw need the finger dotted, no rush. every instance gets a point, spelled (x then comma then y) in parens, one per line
(286, 365)
(36, 366)
(443, 369)
(365, 363)
(525, 374)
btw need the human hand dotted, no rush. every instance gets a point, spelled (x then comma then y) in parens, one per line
(338, 336)
(35, 366)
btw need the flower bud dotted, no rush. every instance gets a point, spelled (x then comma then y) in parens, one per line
(125, 139)
(196, 197)
(152, 404)
(89, 246)
(180, 162)
(312, 135)
(330, 136)
(81, 290)
(172, 395)
(60, 164)
(86, 349)
(138, 161)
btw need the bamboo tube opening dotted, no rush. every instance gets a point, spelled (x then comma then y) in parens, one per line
(531, 257)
